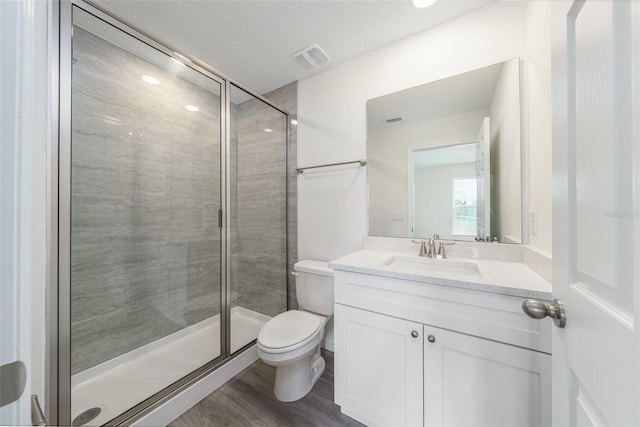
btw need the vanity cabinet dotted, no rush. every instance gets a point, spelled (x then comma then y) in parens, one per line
(410, 353)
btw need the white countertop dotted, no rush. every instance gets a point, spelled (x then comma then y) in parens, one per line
(500, 277)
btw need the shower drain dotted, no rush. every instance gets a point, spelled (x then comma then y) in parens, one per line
(86, 417)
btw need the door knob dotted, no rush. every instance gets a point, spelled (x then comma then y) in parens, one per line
(539, 310)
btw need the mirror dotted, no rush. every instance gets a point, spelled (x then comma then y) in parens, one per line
(444, 158)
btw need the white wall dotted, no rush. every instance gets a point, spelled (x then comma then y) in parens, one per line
(537, 89)
(506, 185)
(332, 205)
(388, 164)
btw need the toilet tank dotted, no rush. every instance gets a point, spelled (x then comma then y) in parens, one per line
(314, 286)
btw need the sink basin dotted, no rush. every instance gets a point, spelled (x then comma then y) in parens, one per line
(432, 265)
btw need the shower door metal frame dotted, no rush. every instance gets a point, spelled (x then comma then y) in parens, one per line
(227, 218)
(58, 408)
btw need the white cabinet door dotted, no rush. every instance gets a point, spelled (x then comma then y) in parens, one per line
(470, 381)
(378, 367)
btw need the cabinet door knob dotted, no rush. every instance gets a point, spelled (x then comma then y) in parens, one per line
(431, 338)
(414, 334)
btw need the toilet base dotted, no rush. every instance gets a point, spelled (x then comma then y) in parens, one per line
(294, 381)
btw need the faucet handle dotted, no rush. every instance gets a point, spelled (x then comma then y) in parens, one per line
(441, 250)
(423, 248)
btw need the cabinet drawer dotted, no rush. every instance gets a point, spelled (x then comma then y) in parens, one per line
(493, 316)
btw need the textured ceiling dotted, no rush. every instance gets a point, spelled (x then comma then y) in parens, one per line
(252, 41)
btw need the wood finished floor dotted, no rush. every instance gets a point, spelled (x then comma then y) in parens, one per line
(248, 400)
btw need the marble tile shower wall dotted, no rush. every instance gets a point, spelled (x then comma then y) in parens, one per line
(258, 193)
(145, 193)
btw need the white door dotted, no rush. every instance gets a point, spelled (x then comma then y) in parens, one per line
(23, 130)
(483, 177)
(596, 212)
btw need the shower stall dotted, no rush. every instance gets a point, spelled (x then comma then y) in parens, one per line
(172, 227)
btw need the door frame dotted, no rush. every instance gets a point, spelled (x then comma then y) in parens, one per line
(25, 136)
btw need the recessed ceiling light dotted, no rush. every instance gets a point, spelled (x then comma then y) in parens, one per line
(191, 108)
(423, 3)
(294, 121)
(268, 130)
(151, 80)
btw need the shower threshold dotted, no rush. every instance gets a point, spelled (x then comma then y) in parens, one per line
(117, 385)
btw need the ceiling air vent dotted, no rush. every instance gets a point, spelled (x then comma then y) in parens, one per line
(393, 120)
(311, 57)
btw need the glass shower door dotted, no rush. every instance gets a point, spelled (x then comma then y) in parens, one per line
(258, 215)
(145, 245)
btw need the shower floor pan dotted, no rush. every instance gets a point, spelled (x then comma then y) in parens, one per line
(119, 384)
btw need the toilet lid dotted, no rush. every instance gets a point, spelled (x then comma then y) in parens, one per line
(291, 329)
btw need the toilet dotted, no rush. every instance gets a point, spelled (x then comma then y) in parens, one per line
(291, 340)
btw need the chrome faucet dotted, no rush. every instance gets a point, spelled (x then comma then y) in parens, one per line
(428, 249)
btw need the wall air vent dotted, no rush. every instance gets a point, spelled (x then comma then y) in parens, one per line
(393, 120)
(311, 57)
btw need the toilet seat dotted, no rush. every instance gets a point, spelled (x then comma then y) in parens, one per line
(289, 331)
